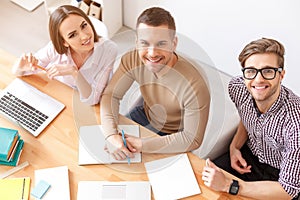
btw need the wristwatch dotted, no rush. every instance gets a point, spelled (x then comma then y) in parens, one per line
(234, 187)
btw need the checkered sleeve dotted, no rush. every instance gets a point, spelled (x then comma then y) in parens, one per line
(237, 90)
(290, 166)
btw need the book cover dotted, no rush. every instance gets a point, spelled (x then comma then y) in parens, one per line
(16, 158)
(15, 188)
(8, 139)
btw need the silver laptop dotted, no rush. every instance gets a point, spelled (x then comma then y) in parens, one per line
(28, 107)
(108, 190)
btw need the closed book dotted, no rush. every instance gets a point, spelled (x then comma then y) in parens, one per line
(16, 158)
(8, 140)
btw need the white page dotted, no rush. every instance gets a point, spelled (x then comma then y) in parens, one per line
(92, 142)
(129, 190)
(172, 178)
(58, 178)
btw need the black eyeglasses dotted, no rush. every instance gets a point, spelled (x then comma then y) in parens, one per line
(267, 73)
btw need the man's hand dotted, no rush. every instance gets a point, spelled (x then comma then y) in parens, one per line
(115, 146)
(214, 178)
(136, 143)
(238, 162)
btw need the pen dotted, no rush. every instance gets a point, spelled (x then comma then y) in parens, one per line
(23, 189)
(124, 140)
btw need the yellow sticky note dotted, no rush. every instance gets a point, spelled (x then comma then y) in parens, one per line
(15, 188)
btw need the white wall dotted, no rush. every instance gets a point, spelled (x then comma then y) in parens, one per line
(223, 27)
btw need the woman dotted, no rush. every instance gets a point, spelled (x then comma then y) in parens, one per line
(75, 56)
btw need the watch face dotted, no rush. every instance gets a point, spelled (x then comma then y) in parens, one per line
(234, 189)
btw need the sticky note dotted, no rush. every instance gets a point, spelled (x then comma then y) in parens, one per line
(40, 189)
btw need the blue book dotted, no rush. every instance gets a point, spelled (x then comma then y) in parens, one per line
(8, 142)
(16, 158)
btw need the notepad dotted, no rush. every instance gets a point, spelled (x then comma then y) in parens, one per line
(172, 178)
(92, 143)
(40, 189)
(58, 178)
(15, 188)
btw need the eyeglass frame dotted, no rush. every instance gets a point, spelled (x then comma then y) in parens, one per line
(279, 69)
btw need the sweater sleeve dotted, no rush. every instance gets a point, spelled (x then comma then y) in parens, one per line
(195, 117)
(113, 94)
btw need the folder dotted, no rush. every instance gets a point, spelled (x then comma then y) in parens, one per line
(15, 188)
(95, 10)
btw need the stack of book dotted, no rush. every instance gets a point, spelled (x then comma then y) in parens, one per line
(11, 146)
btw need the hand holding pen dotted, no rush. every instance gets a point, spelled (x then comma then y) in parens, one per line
(116, 147)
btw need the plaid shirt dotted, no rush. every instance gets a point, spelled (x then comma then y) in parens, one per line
(274, 136)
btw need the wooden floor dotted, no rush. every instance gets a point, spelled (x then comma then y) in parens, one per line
(21, 30)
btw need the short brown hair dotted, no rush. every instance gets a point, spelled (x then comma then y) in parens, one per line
(263, 45)
(156, 16)
(57, 17)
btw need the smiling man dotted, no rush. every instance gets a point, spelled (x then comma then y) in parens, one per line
(176, 97)
(265, 151)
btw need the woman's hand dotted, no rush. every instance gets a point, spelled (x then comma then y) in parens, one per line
(61, 70)
(26, 62)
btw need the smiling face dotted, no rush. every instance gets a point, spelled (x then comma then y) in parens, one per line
(156, 46)
(265, 92)
(77, 33)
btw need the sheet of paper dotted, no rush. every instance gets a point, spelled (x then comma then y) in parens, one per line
(92, 142)
(58, 178)
(172, 178)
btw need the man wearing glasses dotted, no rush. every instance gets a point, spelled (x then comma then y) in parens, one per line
(265, 151)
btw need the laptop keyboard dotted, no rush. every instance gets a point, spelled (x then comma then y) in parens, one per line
(21, 112)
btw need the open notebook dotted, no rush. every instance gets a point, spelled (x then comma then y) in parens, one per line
(92, 143)
(28, 107)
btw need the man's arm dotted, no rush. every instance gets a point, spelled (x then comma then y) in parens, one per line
(263, 190)
(214, 178)
(237, 161)
(109, 111)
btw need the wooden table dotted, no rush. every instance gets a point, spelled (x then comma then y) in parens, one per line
(57, 145)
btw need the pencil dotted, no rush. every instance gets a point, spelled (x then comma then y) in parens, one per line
(42, 68)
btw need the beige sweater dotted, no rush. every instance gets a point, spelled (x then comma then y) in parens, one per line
(176, 103)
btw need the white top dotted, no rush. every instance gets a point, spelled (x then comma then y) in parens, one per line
(96, 70)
